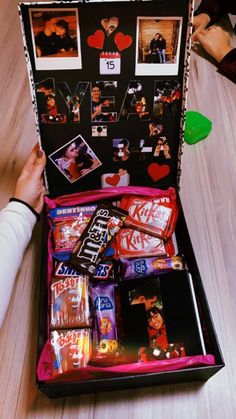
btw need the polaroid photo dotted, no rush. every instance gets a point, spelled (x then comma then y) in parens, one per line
(75, 159)
(158, 42)
(56, 38)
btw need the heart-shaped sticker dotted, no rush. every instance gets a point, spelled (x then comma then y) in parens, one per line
(96, 40)
(113, 180)
(122, 41)
(110, 25)
(157, 172)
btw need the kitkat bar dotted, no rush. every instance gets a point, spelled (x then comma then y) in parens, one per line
(106, 221)
(133, 243)
(156, 216)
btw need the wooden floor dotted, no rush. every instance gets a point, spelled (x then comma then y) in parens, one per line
(208, 193)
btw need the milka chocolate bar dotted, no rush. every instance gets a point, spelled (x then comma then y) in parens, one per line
(104, 224)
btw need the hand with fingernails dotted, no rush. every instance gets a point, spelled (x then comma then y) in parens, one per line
(30, 186)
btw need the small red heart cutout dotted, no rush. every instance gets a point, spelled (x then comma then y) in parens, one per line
(113, 180)
(122, 41)
(157, 172)
(96, 40)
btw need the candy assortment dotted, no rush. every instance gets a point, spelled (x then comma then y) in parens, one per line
(106, 246)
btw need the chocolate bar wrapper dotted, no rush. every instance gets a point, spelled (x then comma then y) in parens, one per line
(155, 216)
(68, 225)
(139, 268)
(105, 335)
(104, 271)
(71, 349)
(133, 243)
(102, 228)
(63, 270)
(69, 302)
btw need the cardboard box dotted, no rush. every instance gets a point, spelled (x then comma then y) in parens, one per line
(110, 80)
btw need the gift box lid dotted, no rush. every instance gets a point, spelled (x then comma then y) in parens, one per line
(108, 83)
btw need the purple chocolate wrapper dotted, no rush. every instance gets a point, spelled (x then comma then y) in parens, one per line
(141, 267)
(106, 331)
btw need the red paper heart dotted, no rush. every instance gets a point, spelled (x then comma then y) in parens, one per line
(157, 172)
(113, 180)
(96, 40)
(122, 41)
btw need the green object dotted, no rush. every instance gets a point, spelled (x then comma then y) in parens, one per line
(197, 127)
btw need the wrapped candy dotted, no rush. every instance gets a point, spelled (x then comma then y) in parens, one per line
(71, 349)
(156, 216)
(102, 228)
(68, 225)
(69, 302)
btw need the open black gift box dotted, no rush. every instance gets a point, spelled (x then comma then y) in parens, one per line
(111, 79)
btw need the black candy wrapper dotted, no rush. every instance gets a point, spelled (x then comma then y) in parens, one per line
(102, 228)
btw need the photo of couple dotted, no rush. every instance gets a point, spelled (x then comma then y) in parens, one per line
(55, 36)
(75, 159)
(158, 45)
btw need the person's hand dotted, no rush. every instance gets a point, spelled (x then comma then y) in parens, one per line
(200, 22)
(98, 110)
(29, 186)
(215, 41)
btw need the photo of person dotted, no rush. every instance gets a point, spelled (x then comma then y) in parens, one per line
(56, 38)
(47, 87)
(157, 49)
(157, 328)
(121, 150)
(135, 102)
(148, 145)
(162, 148)
(148, 293)
(75, 159)
(158, 45)
(167, 97)
(47, 98)
(99, 103)
(155, 129)
(73, 99)
(64, 41)
(52, 115)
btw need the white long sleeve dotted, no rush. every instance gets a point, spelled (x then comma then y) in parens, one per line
(16, 225)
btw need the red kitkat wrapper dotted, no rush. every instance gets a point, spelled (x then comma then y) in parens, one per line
(133, 243)
(156, 216)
